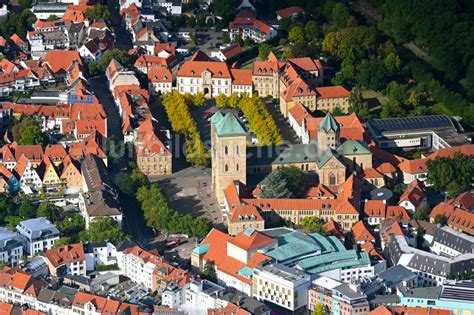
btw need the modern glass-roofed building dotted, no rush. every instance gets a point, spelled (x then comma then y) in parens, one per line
(319, 255)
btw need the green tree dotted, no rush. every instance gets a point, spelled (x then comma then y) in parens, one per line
(25, 3)
(49, 211)
(155, 206)
(469, 85)
(199, 99)
(440, 219)
(318, 309)
(124, 184)
(392, 108)
(62, 241)
(311, 31)
(221, 100)
(52, 18)
(372, 75)
(392, 63)
(103, 229)
(71, 226)
(209, 271)
(224, 9)
(286, 182)
(337, 111)
(97, 12)
(452, 174)
(340, 15)
(296, 34)
(32, 135)
(7, 207)
(120, 55)
(314, 225)
(284, 24)
(27, 209)
(264, 50)
(421, 213)
(358, 105)
(233, 100)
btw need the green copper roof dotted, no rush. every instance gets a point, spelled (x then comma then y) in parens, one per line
(353, 147)
(324, 158)
(202, 249)
(246, 272)
(216, 117)
(328, 124)
(229, 126)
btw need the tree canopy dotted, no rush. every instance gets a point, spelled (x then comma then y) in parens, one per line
(160, 216)
(314, 225)
(285, 182)
(451, 174)
(103, 229)
(49, 211)
(183, 123)
(27, 209)
(33, 135)
(97, 12)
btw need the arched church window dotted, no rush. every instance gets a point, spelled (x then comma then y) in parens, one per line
(332, 179)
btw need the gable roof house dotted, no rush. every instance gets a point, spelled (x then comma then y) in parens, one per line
(99, 198)
(66, 260)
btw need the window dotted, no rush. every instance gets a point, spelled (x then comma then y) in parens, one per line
(237, 167)
(226, 168)
(332, 179)
(226, 150)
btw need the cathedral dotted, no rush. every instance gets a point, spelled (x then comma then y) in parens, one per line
(329, 157)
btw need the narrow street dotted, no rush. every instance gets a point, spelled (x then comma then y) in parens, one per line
(122, 37)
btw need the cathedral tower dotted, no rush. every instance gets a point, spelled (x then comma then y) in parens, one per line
(328, 134)
(229, 150)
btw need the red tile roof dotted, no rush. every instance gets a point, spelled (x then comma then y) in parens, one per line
(67, 254)
(245, 213)
(218, 70)
(250, 23)
(241, 77)
(60, 60)
(375, 208)
(287, 12)
(231, 50)
(332, 92)
(361, 233)
(351, 126)
(251, 242)
(415, 193)
(160, 74)
(340, 206)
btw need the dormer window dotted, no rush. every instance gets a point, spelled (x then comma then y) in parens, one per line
(271, 71)
(219, 73)
(300, 90)
(192, 72)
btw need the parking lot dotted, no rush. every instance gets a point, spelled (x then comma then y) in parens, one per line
(189, 191)
(208, 39)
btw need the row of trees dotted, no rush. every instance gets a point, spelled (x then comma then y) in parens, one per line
(160, 216)
(260, 120)
(183, 124)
